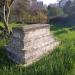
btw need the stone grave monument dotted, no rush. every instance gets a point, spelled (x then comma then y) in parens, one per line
(30, 42)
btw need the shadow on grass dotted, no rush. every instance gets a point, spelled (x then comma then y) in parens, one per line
(72, 29)
(4, 60)
(61, 32)
(57, 24)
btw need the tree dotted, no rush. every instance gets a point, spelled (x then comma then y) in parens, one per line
(18, 11)
(69, 8)
(5, 6)
(54, 11)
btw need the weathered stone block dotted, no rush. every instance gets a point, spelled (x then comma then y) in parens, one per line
(30, 42)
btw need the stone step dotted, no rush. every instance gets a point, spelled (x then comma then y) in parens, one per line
(30, 57)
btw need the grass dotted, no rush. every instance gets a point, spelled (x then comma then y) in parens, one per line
(60, 62)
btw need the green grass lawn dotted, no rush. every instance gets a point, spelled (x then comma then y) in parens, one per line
(60, 62)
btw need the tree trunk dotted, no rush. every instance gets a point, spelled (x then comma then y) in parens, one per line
(5, 20)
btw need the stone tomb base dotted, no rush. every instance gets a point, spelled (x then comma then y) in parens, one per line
(30, 42)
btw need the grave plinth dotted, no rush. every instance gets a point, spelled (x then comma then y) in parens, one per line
(30, 42)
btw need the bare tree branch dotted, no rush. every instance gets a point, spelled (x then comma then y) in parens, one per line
(5, 6)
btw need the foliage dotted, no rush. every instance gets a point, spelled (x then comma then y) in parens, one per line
(26, 15)
(18, 10)
(55, 11)
(5, 6)
(69, 8)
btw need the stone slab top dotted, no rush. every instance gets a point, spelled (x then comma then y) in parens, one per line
(32, 27)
